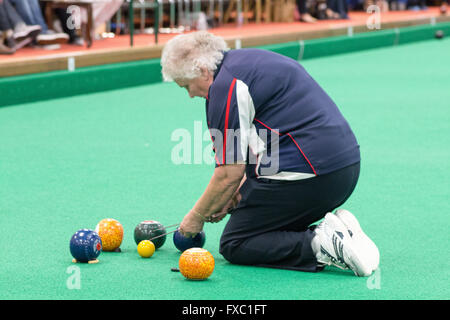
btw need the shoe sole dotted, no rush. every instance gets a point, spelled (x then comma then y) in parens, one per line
(356, 231)
(353, 257)
(30, 33)
(53, 41)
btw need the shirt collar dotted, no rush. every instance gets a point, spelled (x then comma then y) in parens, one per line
(216, 72)
(220, 64)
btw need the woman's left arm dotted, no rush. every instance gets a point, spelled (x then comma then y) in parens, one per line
(221, 188)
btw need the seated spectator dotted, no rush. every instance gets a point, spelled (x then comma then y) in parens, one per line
(383, 5)
(304, 15)
(337, 9)
(14, 33)
(416, 5)
(31, 13)
(396, 5)
(63, 17)
(331, 9)
(355, 5)
(102, 12)
(393, 5)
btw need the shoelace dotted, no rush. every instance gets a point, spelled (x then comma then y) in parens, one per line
(337, 261)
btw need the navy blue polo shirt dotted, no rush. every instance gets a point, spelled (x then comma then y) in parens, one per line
(264, 110)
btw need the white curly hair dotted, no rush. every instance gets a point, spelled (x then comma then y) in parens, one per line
(185, 54)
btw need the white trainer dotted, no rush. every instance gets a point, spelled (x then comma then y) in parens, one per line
(337, 247)
(360, 238)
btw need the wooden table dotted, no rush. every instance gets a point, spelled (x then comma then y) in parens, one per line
(64, 4)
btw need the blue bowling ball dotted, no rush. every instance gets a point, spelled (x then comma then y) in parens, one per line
(182, 243)
(85, 245)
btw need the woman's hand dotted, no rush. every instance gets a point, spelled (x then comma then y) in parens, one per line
(192, 224)
(229, 206)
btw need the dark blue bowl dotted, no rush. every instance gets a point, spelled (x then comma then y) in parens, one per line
(182, 243)
(85, 245)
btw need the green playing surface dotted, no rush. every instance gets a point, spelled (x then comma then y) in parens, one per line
(67, 163)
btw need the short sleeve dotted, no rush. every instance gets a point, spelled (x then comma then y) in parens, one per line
(230, 113)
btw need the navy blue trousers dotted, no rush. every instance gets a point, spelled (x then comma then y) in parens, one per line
(271, 226)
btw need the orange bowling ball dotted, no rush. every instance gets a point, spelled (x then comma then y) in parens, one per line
(196, 264)
(111, 233)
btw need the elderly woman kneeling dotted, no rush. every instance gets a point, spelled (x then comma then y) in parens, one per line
(285, 158)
